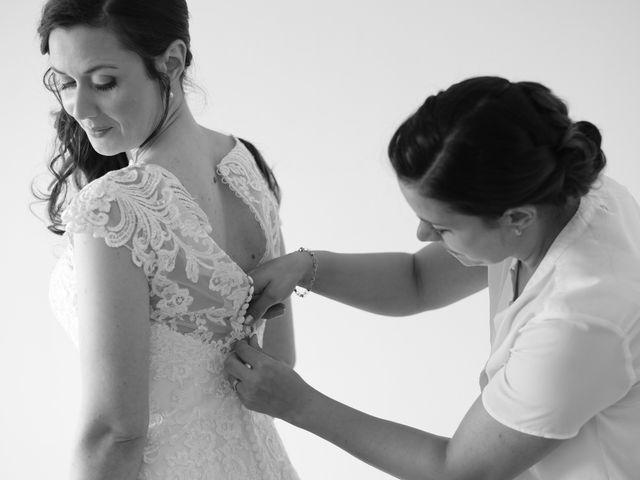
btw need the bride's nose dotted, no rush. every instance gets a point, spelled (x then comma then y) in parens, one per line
(81, 104)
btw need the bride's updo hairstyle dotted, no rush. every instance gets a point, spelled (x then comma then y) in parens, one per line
(145, 27)
(485, 145)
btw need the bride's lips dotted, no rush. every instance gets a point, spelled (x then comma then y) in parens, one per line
(97, 132)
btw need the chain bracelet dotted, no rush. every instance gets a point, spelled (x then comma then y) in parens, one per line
(301, 291)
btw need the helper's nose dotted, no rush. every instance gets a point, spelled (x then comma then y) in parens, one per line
(426, 233)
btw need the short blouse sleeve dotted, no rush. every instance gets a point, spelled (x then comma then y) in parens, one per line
(127, 207)
(560, 373)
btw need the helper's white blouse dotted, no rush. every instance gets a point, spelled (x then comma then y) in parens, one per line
(565, 355)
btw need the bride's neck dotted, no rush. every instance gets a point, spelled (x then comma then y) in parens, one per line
(179, 131)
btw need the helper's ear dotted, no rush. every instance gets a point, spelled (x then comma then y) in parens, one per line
(520, 218)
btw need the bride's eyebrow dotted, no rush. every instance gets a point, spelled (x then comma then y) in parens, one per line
(88, 72)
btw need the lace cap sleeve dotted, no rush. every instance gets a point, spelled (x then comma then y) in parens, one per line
(129, 207)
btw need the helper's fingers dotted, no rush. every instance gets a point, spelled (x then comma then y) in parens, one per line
(236, 368)
(253, 341)
(261, 303)
(260, 278)
(274, 311)
(249, 354)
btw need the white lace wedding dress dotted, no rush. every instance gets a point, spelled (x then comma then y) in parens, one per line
(198, 429)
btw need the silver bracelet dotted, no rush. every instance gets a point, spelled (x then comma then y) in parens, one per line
(301, 291)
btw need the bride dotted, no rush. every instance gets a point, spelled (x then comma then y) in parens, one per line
(168, 218)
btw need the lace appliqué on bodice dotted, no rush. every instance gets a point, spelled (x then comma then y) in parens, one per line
(249, 185)
(146, 209)
(198, 429)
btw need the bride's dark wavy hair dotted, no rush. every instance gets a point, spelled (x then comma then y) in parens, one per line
(146, 27)
(485, 145)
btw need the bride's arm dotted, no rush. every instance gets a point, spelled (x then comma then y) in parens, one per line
(278, 332)
(113, 312)
(278, 339)
(385, 283)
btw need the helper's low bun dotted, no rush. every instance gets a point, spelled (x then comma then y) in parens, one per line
(581, 158)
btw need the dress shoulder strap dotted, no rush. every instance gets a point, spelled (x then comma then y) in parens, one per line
(129, 207)
(241, 173)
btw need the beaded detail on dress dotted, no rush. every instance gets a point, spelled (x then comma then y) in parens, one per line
(198, 429)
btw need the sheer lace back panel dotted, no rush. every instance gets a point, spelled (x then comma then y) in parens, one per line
(195, 287)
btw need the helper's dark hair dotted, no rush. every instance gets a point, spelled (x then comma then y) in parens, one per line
(485, 145)
(146, 27)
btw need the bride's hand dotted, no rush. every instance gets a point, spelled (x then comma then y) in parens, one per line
(274, 281)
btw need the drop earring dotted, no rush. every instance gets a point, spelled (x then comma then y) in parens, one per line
(518, 232)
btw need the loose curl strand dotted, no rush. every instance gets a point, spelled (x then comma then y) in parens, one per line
(145, 27)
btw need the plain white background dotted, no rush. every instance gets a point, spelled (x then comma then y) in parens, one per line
(319, 87)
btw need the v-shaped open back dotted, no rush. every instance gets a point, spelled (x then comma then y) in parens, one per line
(241, 208)
(196, 287)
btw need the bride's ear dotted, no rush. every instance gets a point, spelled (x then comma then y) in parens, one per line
(172, 61)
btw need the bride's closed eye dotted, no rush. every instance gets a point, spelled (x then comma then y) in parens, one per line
(105, 86)
(67, 84)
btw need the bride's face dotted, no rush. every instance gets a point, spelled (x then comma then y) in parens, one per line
(468, 238)
(104, 87)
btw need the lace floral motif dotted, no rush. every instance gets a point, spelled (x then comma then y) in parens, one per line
(197, 427)
(175, 301)
(249, 185)
(146, 209)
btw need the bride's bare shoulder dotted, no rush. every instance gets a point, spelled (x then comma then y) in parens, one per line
(219, 143)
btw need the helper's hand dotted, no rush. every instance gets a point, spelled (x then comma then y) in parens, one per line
(265, 384)
(274, 281)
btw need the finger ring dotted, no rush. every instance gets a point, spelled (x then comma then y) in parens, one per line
(248, 366)
(235, 385)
